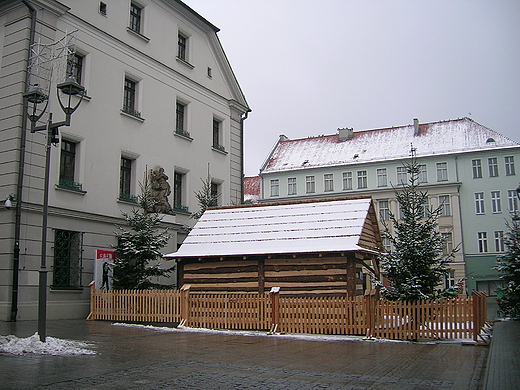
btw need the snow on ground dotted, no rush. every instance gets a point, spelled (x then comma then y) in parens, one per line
(307, 337)
(53, 346)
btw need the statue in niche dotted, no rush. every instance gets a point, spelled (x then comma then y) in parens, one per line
(160, 190)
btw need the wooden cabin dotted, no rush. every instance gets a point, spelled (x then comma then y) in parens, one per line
(306, 247)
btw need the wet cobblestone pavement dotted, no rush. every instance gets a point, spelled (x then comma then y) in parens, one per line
(140, 358)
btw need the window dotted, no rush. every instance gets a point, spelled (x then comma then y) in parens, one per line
(444, 202)
(102, 8)
(180, 119)
(482, 242)
(448, 243)
(384, 210)
(125, 180)
(181, 47)
(382, 179)
(217, 135)
(499, 241)
(442, 171)
(68, 165)
(291, 186)
(512, 201)
(310, 184)
(493, 166)
(347, 180)
(66, 272)
(387, 244)
(449, 279)
(328, 182)
(423, 174)
(178, 191)
(402, 175)
(496, 206)
(510, 165)
(75, 66)
(362, 179)
(275, 187)
(135, 18)
(130, 98)
(215, 194)
(477, 168)
(426, 207)
(490, 287)
(479, 203)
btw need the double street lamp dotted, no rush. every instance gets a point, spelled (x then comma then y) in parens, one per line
(34, 97)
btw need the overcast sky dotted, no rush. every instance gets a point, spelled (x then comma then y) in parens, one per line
(308, 67)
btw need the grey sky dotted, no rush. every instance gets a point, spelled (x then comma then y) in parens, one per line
(309, 67)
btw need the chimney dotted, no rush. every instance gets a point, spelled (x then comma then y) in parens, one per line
(416, 129)
(345, 133)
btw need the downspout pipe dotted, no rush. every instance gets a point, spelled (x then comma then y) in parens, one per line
(242, 160)
(19, 185)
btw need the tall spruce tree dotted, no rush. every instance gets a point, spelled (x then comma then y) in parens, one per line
(138, 249)
(415, 264)
(509, 265)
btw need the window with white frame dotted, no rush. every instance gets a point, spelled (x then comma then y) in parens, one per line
(426, 207)
(182, 47)
(442, 171)
(68, 157)
(347, 180)
(275, 187)
(449, 279)
(512, 200)
(130, 97)
(499, 241)
(387, 244)
(496, 206)
(328, 179)
(423, 173)
(217, 135)
(75, 66)
(476, 166)
(448, 243)
(310, 184)
(291, 186)
(482, 242)
(444, 203)
(180, 119)
(510, 165)
(402, 175)
(362, 179)
(479, 203)
(384, 210)
(493, 166)
(125, 180)
(382, 177)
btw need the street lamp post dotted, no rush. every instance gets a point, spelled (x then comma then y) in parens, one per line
(36, 96)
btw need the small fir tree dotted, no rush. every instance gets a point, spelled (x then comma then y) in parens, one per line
(206, 198)
(138, 250)
(415, 265)
(509, 265)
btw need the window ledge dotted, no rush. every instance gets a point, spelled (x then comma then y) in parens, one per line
(127, 201)
(185, 63)
(137, 118)
(222, 151)
(68, 189)
(186, 137)
(138, 35)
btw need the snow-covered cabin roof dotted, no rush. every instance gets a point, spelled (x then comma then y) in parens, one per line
(459, 135)
(304, 227)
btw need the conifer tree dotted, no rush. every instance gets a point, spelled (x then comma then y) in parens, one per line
(138, 249)
(415, 264)
(205, 197)
(509, 265)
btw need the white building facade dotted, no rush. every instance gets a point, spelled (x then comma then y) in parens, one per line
(160, 94)
(371, 163)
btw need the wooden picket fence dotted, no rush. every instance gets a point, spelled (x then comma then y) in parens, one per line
(462, 318)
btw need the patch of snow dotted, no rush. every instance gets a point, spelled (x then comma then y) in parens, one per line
(53, 346)
(306, 337)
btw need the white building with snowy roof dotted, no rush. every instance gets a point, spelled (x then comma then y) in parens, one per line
(466, 167)
(320, 246)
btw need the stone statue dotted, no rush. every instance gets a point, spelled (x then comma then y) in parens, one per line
(160, 190)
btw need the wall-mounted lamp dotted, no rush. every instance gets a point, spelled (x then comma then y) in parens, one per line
(9, 202)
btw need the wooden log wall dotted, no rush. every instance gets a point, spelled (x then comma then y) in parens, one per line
(337, 274)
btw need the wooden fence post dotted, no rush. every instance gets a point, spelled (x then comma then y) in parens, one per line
(185, 304)
(479, 314)
(91, 315)
(369, 300)
(275, 309)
